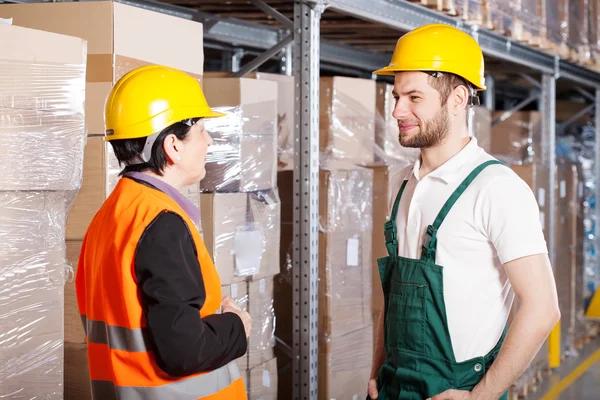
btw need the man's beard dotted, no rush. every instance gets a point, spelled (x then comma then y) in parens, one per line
(435, 130)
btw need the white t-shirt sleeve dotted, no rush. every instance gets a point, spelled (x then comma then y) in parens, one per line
(511, 218)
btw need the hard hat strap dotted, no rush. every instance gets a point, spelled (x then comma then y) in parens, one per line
(146, 153)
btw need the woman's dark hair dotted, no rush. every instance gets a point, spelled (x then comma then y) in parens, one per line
(127, 149)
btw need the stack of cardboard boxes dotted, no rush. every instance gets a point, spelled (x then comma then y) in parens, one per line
(568, 262)
(42, 90)
(119, 39)
(240, 213)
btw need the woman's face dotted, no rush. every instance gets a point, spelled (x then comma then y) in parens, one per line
(193, 157)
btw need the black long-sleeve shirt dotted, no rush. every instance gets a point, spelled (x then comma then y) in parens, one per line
(172, 294)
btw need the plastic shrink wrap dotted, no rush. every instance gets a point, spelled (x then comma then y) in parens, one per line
(42, 90)
(345, 285)
(557, 26)
(578, 29)
(243, 156)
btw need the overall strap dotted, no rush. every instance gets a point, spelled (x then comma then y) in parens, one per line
(430, 241)
(391, 233)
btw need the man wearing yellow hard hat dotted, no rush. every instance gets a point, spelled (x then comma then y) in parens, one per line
(147, 290)
(463, 239)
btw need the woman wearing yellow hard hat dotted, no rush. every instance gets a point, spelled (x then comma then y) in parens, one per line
(464, 238)
(147, 290)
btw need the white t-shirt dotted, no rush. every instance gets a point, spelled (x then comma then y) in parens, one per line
(496, 220)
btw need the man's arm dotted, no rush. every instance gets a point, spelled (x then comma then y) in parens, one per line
(532, 280)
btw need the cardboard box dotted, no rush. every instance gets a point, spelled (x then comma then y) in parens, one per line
(346, 197)
(388, 149)
(285, 112)
(241, 233)
(517, 139)
(261, 381)
(119, 38)
(345, 282)
(42, 90)
(32, 268)
(74, 332)
(347, 119)
(345, 365)
(243, 156)
(260, 308)
(537, 177)
(77, 374)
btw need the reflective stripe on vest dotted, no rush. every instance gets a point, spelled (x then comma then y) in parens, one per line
(137, 340)
(192, 388)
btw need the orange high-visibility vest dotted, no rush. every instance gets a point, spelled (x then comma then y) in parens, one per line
(122, 365)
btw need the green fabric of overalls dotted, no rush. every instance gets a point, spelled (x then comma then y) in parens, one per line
(420, 360)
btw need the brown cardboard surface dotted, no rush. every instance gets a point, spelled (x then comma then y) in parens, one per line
(517, 139)
(260, 306)
(536, 177)
(386, 183)
(77, 375)
(115, 28)
(95, 97)
(261, 381)
(73, 327)
(344, 289)
(36, 46)
(92, 192)
(345, 365)
(231, 92)
(350, 103)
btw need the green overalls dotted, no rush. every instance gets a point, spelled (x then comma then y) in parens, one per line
(420, 359)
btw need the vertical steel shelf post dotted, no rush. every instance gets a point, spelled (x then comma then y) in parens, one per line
(306, 199)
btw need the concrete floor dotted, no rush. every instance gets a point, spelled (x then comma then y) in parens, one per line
(577, 378)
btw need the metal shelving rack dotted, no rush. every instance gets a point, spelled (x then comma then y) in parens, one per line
(309, 51)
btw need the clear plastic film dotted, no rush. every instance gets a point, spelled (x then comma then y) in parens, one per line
(32, 276)
(345, 365)
(241, 232)
(262, 335)
(578, 42)
(478, 12)
(593, 35)
(557, 26)
(262, 381)
(42, 125)
(347, 120)
(516, 138)
(345, 241)
(504, 18)
(243, 156)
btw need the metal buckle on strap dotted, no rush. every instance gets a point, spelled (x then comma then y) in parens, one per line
(428, 236)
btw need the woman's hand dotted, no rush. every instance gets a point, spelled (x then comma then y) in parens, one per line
(228, 305)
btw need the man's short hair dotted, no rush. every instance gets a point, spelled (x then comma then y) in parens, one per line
(445, 83)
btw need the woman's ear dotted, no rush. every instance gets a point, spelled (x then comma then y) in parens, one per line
(172, 149)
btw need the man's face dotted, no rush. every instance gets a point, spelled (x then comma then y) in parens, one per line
(422, 121)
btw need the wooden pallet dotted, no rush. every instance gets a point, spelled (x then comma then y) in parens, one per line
(445, 6)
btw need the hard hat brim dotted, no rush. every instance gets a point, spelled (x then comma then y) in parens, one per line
(391, 71)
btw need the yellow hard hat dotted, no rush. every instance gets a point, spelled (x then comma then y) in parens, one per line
(149, 99)
(441, 48)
